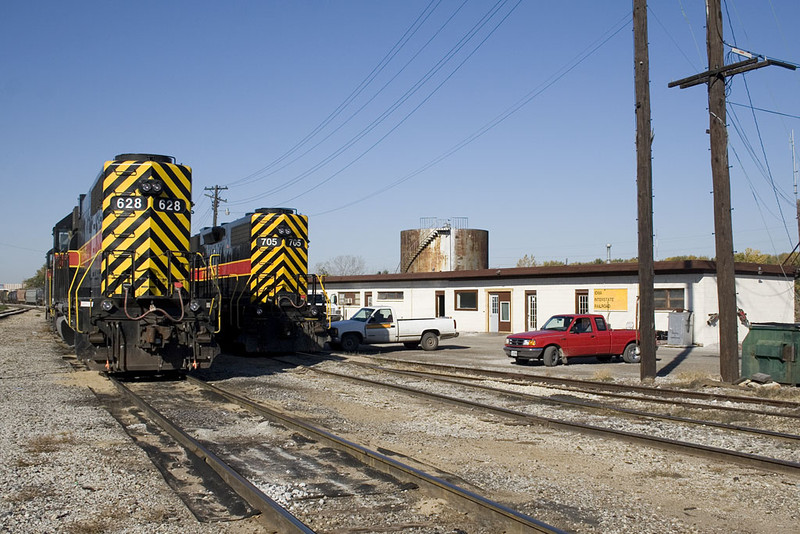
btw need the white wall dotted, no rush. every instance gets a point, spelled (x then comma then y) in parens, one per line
(762, 299)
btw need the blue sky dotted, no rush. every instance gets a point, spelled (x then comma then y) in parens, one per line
(370, 115)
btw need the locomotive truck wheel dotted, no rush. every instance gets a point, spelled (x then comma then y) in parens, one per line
(550, 356)
(411, 344)
(429, 341)
(630, 354)
(350, 342)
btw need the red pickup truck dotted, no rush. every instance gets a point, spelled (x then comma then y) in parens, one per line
(573, 335)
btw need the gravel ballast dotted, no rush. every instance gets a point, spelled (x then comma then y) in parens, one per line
(66, 465)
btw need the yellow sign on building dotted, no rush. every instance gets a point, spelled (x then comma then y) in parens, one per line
(611, 300)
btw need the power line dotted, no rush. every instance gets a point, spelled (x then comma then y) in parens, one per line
(750, 106)
(522, 102)
(387, 58)
(487, 17)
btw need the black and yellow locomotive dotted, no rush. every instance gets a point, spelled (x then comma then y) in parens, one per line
(120, 285)
(259, 264)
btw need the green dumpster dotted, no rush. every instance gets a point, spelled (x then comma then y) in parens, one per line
(772, 349)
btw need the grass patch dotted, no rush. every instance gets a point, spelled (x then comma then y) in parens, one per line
(28, 493)
(44, 444)
(106, 520)
(694, 380)
(603, 376)
(662, 473)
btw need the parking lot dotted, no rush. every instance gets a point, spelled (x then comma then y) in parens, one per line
(486, 351)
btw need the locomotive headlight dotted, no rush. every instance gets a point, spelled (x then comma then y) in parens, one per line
(107, 305)
(314, 311)
(195, 306)
(157, 186)
(146, 187)
(259, 311)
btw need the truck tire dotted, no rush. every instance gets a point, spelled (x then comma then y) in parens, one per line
(630, 354)
(429, 341)
(350, 342)
(550, 356)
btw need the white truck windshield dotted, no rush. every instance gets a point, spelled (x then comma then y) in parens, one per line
(362, 315)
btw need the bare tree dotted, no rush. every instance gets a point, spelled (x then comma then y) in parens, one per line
(526, 261)
(345, 265)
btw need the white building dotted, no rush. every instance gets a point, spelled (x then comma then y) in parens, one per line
(518, 299)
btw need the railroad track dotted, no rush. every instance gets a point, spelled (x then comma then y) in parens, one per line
(598, 425)
(14, 311)
(244, 442)
(622, 391)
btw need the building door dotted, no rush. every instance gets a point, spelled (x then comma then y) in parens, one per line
(500, 311)
(440, 311)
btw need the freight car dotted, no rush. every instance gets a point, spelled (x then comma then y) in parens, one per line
(259, 265)
(119, 285)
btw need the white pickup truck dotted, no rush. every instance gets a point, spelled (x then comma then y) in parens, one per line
(380, 325)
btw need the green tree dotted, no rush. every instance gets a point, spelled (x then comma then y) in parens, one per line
(37, 280)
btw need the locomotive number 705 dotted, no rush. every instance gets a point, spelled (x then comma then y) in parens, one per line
(275, 241)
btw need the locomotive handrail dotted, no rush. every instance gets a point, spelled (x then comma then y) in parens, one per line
(69, 291)
(88, 270)
(246, 285)
(213, 275)
(327, 300)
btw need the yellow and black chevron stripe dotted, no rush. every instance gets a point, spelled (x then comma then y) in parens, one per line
(279, 255)
(145, 238)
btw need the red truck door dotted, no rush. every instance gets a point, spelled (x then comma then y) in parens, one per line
(587, 338)
(602, 337)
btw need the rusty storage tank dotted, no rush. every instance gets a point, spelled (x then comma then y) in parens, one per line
(440, 245)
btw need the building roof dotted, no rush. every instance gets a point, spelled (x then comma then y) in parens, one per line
(582, 270)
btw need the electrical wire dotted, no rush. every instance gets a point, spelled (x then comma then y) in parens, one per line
(387, 58)
(361, 134)
(541, 88)
(477, 27)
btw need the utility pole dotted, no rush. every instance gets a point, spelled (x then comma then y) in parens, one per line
(215, 200)
(644, 186)
(714, 77)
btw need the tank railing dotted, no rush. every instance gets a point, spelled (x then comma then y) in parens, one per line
(424, 243)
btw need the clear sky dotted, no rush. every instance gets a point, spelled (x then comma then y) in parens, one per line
(368, 116)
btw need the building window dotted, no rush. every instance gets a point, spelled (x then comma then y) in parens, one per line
(505, 311)
(351, 298)
(581, 301)
(530, 310)
(668, 299)
(466, 300)
(390, 295)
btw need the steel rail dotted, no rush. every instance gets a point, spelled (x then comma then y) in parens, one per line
(589, 404)
(273, 513)
(741, 458)
(512, 520)
(588, 384)
(15, 311)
